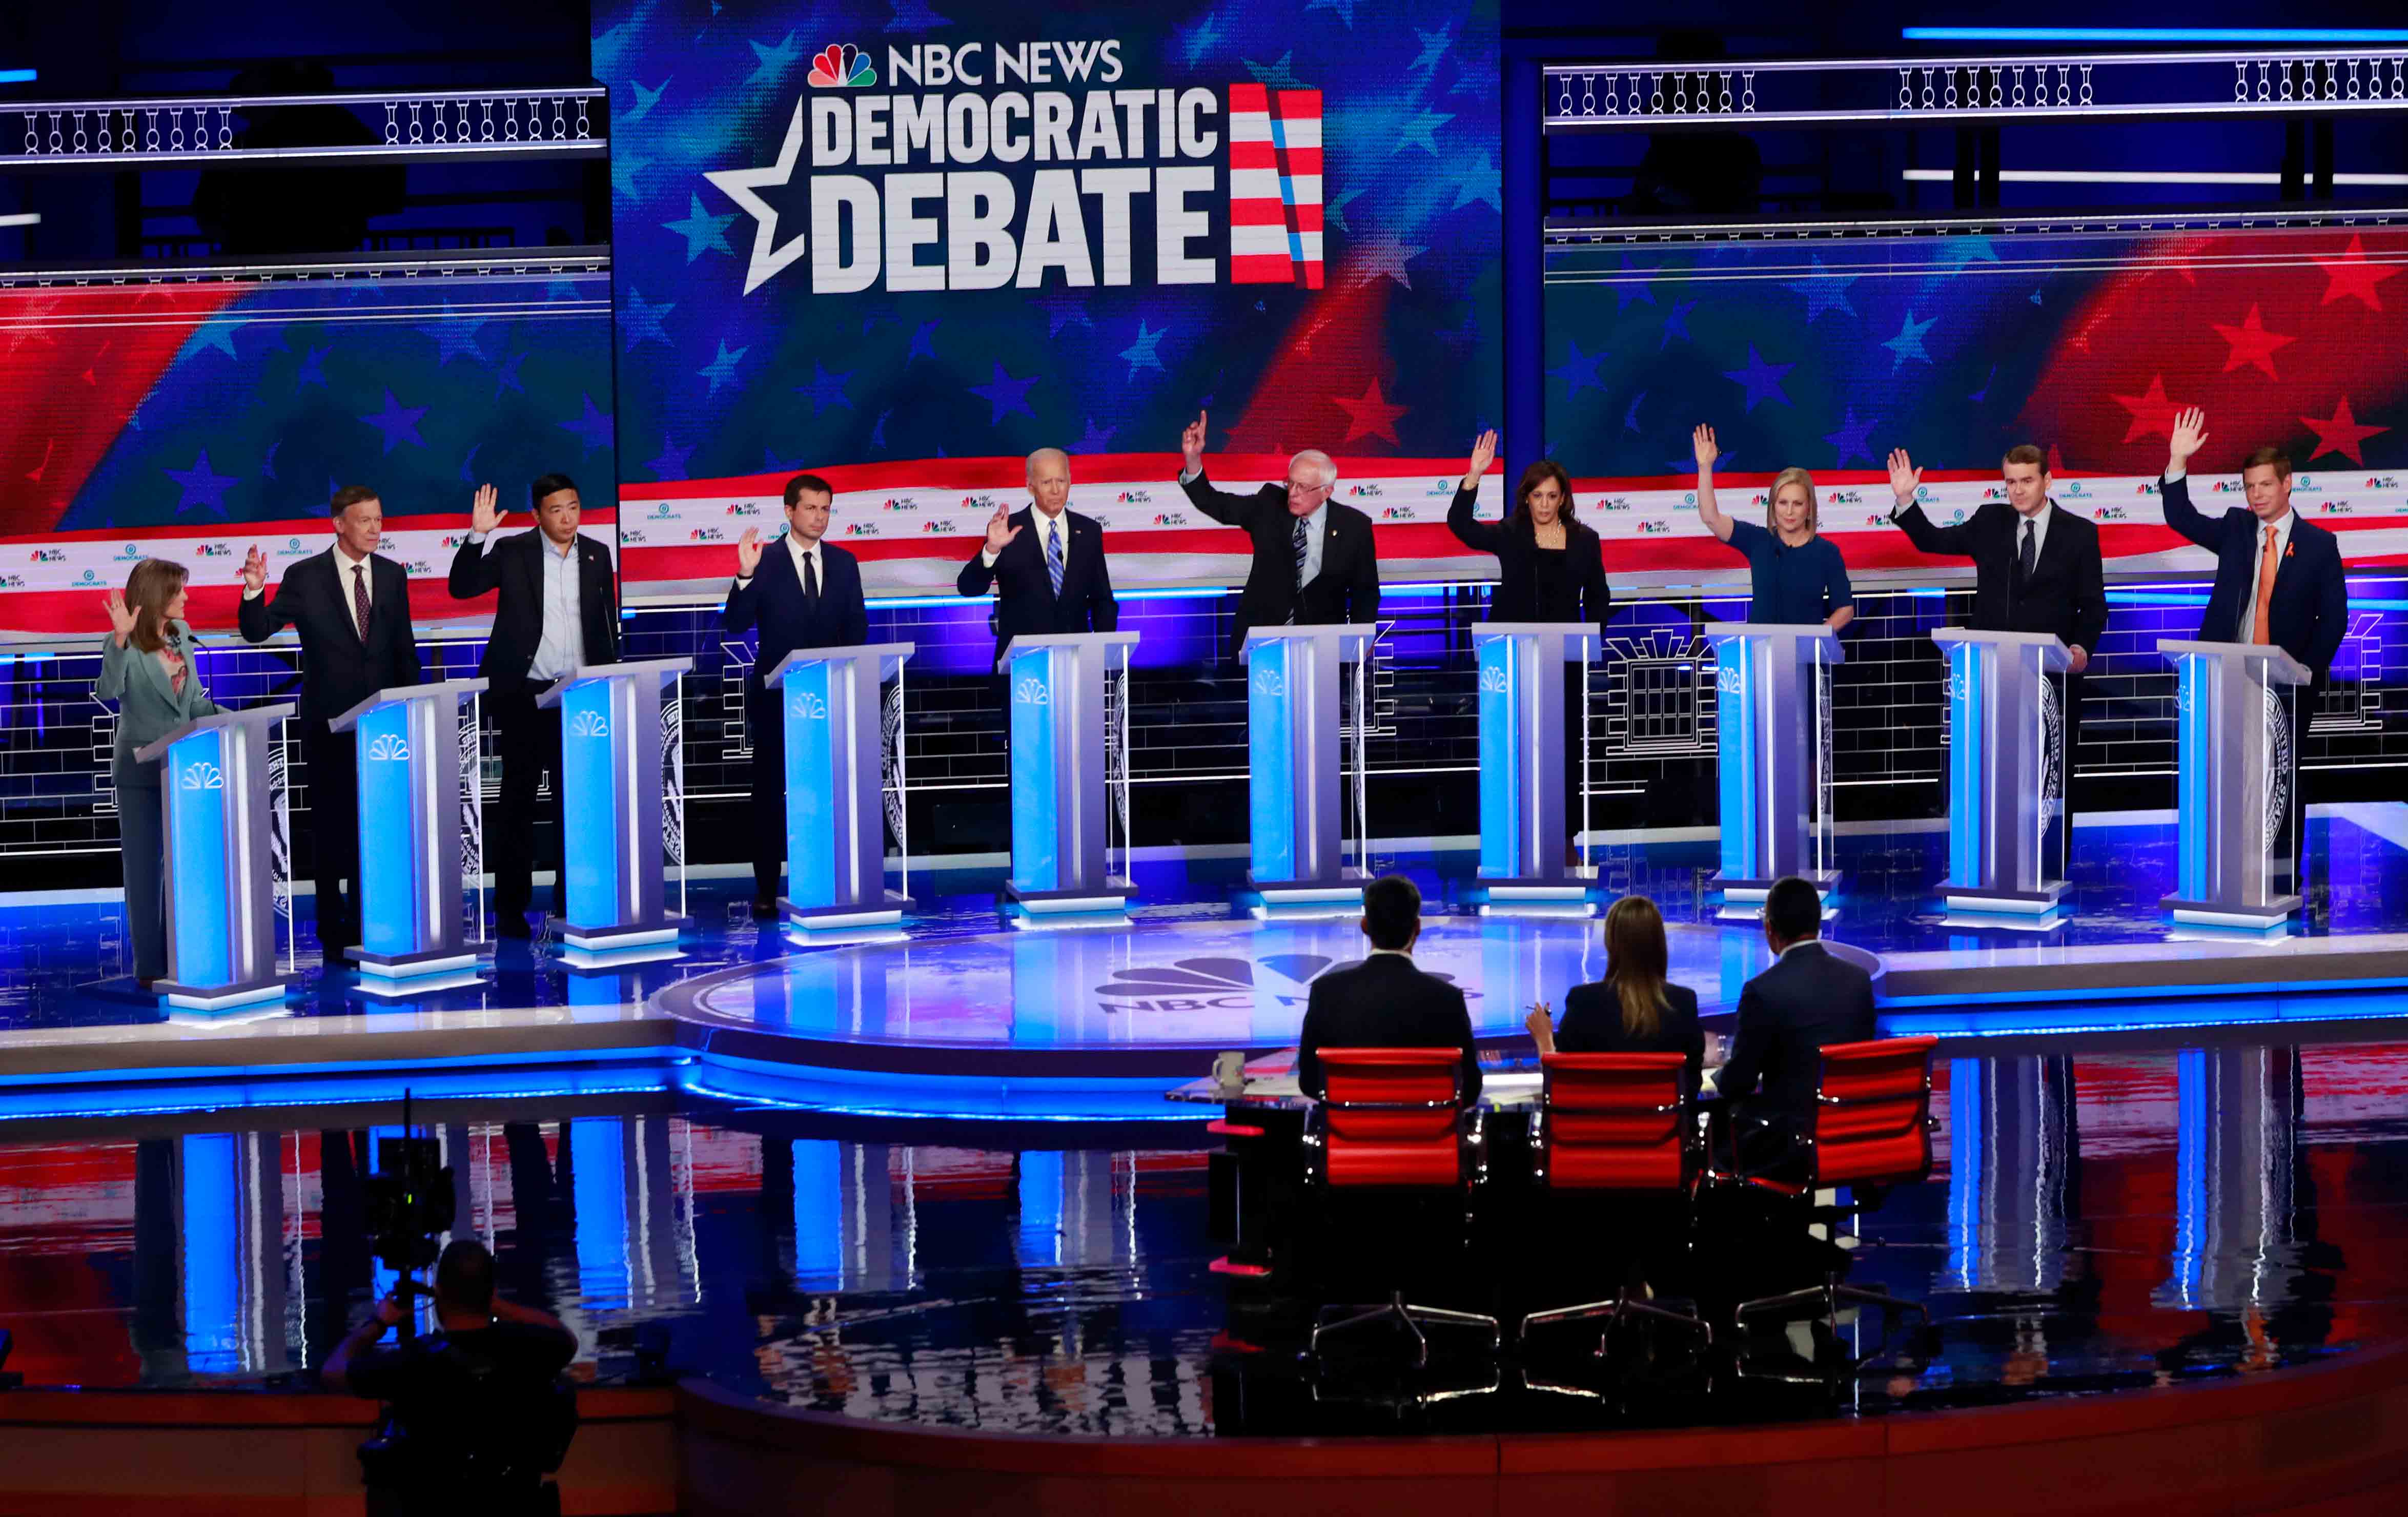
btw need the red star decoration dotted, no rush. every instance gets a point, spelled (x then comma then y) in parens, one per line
(1370, 416)
(2251, 344)
(2340, 433)
(2354, 274)
(2153, 414)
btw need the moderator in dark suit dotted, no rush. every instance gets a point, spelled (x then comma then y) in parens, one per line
(527, 735)
(1807, 998)
(339, 668)
(2309, 613)
(1592, 1024)
(1384, 1002)
(1347, 588)
(1026, 603)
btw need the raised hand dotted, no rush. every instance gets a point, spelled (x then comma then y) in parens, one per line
(1702, 443)
(1483, 452)
(747, 553)
(121, 616)
(486, 513)
(999, 531)
(2190, 430)
(254, 569)
(1191, 442)
(1904, 477)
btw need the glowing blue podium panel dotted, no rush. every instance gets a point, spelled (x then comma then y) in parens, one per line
(610, 803)
(835, 717)
(1294, 731)
(1772, 731)
(410, 885)
(1522, 822)
(1061, 763)
(2006, 772)
(2236, 783)
(216, 819)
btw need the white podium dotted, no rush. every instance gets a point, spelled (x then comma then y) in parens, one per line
(2236, 783)
(215, 818)
(611, 830)
(835, 776)
(1522, 822)
(1293, 760)
(409, 883)
(2006, 772)
(1060, 800)
(1772, 730)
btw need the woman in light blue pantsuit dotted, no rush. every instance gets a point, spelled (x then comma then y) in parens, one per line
(145, 666)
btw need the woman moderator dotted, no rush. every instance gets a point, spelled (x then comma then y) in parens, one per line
(1550, 568)
(1635, 1009)
(1798, 574)
(145, 666)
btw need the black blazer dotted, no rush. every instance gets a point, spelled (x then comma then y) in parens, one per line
(1024, 600)
(2067, 593)
(337, 669)
(1786, 1014)
(2310, 608)
(514, 565)
(1592, 1024)
(1384, 1002)
(1515, 543)
(1347, 589)
(774, 602)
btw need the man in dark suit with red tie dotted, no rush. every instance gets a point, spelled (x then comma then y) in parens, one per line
(2278, 577)
(802, 593)
(1045, 561)
(1314, 562)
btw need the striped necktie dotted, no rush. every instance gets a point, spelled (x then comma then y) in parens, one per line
(1299, 595)
(1054, 555)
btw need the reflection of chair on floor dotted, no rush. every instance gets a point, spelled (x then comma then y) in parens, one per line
(1615, 1126)
(1391, 1131)
(1872, 1130)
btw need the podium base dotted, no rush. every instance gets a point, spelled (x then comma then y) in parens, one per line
(2221, 914)
(864, 914)
(1347, 886)
(1550, 897)
(608, 947)
(2021, 903)
(221, 997)
(395, 975)
(1112, 895)
(1737, 889)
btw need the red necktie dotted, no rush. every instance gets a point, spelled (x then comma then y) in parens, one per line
(360, 598)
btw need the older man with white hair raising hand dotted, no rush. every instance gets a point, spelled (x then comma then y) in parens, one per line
(1045, 561)
(1314, 563)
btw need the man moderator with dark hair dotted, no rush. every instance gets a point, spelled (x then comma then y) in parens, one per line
(2278, 579)
(1045, 561)
(352, 610)
(1809, 998)
(1314, 563)
(801, 593)
(558, 613)
(1385, 1001)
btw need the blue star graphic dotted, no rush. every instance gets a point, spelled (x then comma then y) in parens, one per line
(1098, 440)
(640, 322)
(645, 100)
(1278, 76)
(398, 423)
(772, 464)
(671, 464)
(1479, 181)
(1579, 370)
(204, 487)
(1421, 131)
(455, 334)
(1434, 46)
(1850, 440)
(1345, 9)
(721, 369)
(218, 335)
(1762, 380)
(1956, 252)
(1006, 395)
(624, 166)
(1196, 40)
(1630, 293)
(702, 233)
(1909, 342)
(311, 370)
(1823, 291)
(593, 429)
(877, 433)
(1142, 353)
(1060, 311)
(267, 460)
(468, 465)
(1631, 417)
(1336, 209)
(506, 373)
(914, 16)
(773, 60)
(825, 390)
(924, 341)
(1676, 324)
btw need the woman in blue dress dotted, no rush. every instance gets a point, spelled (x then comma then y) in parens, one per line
(1798, 574)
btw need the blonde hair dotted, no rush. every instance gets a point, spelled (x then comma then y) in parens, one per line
(1803, 481)
(150, 589)
(1637, 963)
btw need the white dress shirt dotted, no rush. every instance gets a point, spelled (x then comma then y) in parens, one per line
(560, 647)
(1048, 527)
(2039, 521)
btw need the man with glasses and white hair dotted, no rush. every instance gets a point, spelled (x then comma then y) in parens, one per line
(1045, 561)
(1314, 563)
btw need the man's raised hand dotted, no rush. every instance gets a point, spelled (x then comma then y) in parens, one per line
(2191, 431)
(747, 553)
(485, 514)
(1904, 477)
(1191, 442)
(999, 531)
(254, 569)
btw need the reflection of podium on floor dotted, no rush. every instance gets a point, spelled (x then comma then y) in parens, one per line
(409, 884)
(2006, 772)
(2237, 783)
(1523, 829)
(1061, 799)
(215, 819)
(1294, 761)
(1772, 724)
(610, 821)
(835, 715)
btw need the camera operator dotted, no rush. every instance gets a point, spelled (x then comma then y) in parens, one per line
(479, 1413)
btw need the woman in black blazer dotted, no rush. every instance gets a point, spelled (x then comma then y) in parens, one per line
(1634, 1008)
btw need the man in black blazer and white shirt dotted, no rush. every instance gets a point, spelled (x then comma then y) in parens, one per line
(1045, 561)
(558, 613)
(1314, 563)
(1808, 999)
(351, 610)
(1385, 1001)
(2278, 579)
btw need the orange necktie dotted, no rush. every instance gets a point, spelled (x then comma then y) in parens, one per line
(2266, 564)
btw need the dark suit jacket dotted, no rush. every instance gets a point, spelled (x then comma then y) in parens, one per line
(1384, 1002)
(1515, 543)
(1026, 603)
(774, 602)
(1592, 1024)
(515, 567)
(2067, 593)
(2310, 608)
(1347, 589)
(337, 669)
(1807, 998)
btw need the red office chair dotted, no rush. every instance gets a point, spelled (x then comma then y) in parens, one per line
(1614, 1125)
(1393, 1122)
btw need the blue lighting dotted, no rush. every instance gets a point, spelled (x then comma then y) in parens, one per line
(2336, 36)
(17, 76)
(592, 801)
(212, 1252)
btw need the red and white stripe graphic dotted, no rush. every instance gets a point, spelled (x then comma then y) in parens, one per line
(1275, 187)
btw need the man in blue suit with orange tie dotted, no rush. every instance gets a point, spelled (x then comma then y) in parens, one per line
(802, 593)
(2278, 579)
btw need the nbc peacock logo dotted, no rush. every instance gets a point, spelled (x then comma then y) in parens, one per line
(842, 67)
(589, 724)
(1492, 680)
(1031, 693)
(203, 776)
(388, 749)
(807, 707)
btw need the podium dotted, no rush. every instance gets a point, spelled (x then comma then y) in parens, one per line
(1293, 760)
(1522, 822)
(611, 830)
(408, 741)
(2237, 783)
(835, 810)
(1059, 804)
(1772, 731)
(215, 818)
(2006, 772)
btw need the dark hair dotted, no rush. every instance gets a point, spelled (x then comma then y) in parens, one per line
(1637, 963)
(801, 482)
(1792, 909)
(550, 484)
(464, 1276)
(1391, 912)
(2025, 453)
(349, 496)
(2272, 457)
(1545, 468)
(149, 590)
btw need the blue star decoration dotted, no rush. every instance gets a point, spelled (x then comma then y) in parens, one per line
(671, 464)
(506, 373)
(469, 467)
(1823, 291)
(1345, 9)
(267, 460)
(640, 322)
(1909, 342)
(1097, 439)
(645, 100)
(1195, 41)
(1434, 46)
(924, 341)
(203, 487)
(1277, 76)
(1006, 395)
(311, 369)
(1762, 381)
(1956, 252)
(1141, 353)
(1422, 131)
(721, 369)
(1060, 311)
(1478, 180)
(914, 16)
(1849, 441)
(773, 62)
(624, 166)
(877, 432)
(398, 423)
(1676, 324)
(825, 390)
(702, 233)
(593, 429)
(1631, 417)
(218, 335)
(1579, 371)
(454, 335)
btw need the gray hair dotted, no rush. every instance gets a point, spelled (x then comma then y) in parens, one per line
(1319, 460)
(1041, 455)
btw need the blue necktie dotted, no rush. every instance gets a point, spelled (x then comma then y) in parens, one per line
(1298, 597)
(1054, 556)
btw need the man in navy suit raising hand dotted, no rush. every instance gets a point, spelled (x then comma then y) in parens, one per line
(1045, 561)
(2278, 579)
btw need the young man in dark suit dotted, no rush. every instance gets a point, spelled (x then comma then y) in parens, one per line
(1384, 1001)
(1045, 561)
(1807, 999)
(351, 610)
(802, 593)
(1314, 562)
(558, 613)
(2278, 577)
